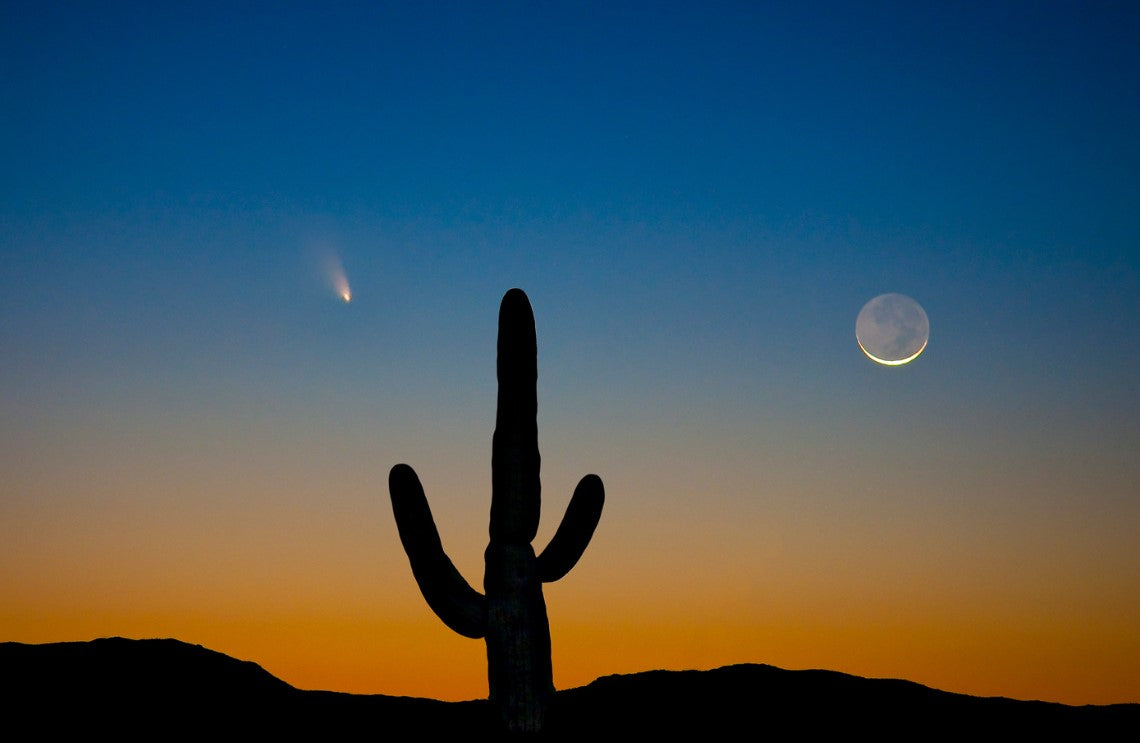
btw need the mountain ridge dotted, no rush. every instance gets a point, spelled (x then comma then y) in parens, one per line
(132, 686)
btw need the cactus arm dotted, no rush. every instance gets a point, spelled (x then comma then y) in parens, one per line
(515, 486)
(460, 606)
(575, 531)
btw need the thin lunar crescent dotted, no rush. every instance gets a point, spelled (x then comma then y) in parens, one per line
(892, 329)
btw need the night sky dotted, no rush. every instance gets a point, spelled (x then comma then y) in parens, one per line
(698, 198)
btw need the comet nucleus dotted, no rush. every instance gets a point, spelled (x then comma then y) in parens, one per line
(334, 269)
(892, 329)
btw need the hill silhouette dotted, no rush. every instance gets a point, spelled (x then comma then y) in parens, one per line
(155, 688)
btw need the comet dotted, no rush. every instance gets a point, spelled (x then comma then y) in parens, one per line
(334, 269)
(342, 289)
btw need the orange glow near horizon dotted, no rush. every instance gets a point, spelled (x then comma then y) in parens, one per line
(367, 630)
(422, 658)
(256, 556)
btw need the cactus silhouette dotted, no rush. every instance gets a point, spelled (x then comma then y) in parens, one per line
(511, 616)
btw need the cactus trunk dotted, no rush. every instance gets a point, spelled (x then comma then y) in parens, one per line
(518, 636)
(512, 614)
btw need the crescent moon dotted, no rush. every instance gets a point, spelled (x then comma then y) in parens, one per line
(892, 329)
(893, 362)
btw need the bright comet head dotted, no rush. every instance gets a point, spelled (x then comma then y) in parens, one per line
(335, 272)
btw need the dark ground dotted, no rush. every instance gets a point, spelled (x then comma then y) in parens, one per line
(159, 688)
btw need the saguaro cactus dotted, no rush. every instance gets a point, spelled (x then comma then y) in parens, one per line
(512, 613)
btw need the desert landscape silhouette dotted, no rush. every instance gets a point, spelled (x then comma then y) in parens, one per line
(130, 686)
(142, 688)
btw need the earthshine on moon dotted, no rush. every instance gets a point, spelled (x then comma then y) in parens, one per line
(892, 329)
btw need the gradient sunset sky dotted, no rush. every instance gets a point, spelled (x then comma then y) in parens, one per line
(196, 431)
